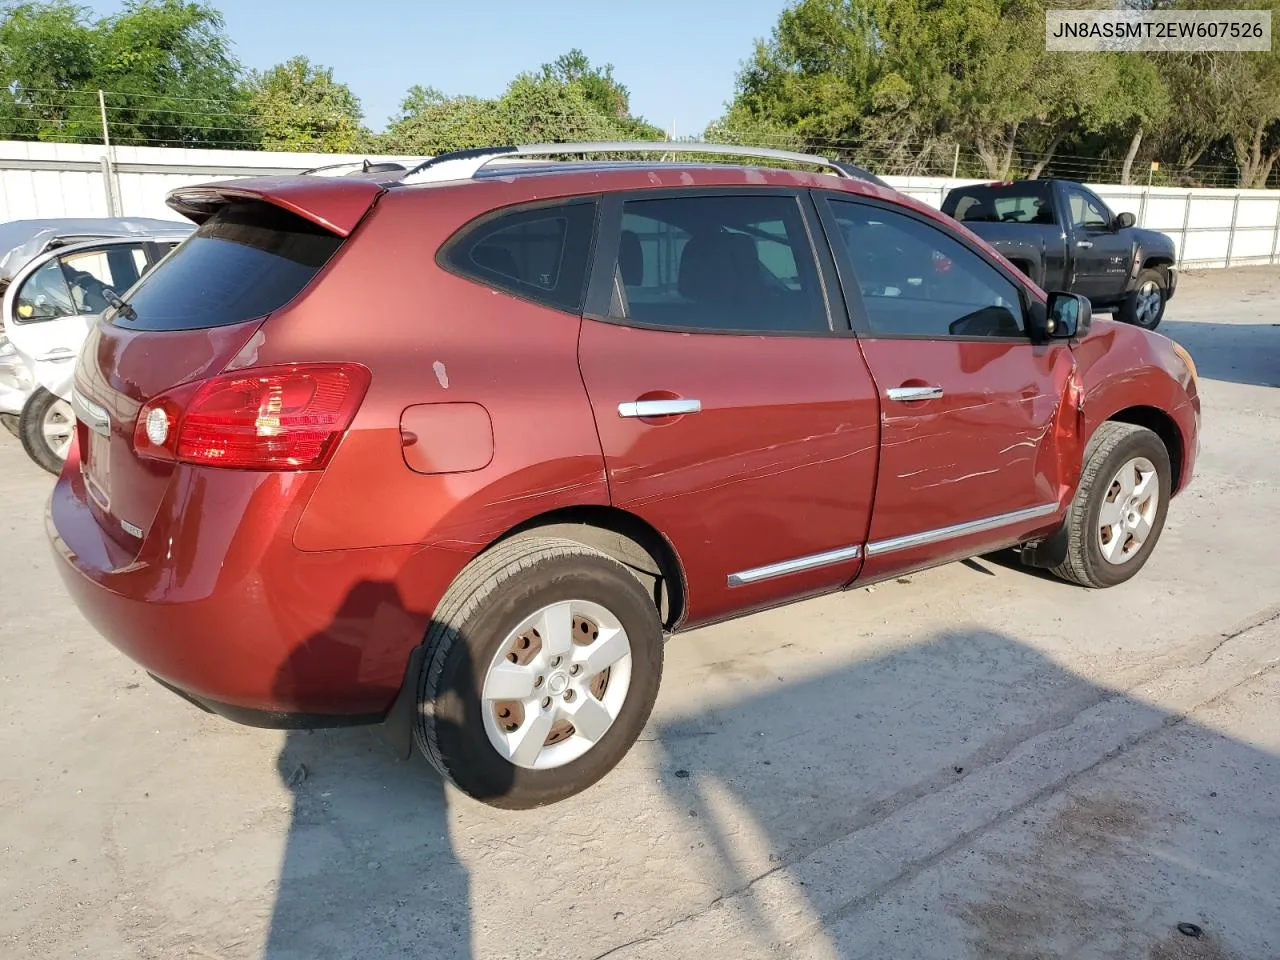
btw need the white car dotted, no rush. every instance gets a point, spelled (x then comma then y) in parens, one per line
(57, 276)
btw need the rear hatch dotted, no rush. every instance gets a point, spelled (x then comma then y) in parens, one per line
(258, 245)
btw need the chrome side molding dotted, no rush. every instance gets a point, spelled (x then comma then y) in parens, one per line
(925, 537)
(797, 565)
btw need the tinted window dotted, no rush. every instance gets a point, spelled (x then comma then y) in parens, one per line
(1016, 203)
(242, 263)
(718, 263)
(915, 280)
(541, 253)
(1087, 210)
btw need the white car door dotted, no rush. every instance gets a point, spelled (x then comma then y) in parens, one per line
(50, 305)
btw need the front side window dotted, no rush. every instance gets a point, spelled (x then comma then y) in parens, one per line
(45, 295)
(540, 253)
(915, 280)
(1087, 211)
(718, 263)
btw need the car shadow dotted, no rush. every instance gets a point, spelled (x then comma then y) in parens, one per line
(1246, 353)
(840, 782)
(368, 867)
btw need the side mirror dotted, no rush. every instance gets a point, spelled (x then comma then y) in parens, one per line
(1123, 221)
(1067, 317)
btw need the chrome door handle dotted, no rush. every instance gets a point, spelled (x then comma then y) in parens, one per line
(1084, 244)
(659, 408)
(908, 394)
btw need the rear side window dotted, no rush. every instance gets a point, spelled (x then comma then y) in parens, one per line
(539, 253)
(718, 263)
(245, 261)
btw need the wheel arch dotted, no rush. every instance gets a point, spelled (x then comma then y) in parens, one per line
(624, 536)
(1156, 260)
(1163, 426)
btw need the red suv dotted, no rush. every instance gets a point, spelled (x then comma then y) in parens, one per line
(458, 447)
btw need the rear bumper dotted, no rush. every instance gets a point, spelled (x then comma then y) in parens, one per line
(220, 606)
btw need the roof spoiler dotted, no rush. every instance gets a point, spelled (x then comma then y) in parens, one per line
(335, 203)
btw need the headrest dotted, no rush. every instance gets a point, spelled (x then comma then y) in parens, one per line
(719, 266)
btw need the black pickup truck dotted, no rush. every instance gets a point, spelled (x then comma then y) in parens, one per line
(1062, 236)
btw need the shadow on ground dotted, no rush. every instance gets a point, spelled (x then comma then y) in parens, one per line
(898, 795)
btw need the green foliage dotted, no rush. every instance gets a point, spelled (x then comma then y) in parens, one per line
(901, 84)
(299, 106)
(563, 101)
(159, 59)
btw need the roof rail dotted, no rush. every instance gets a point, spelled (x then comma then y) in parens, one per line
(465, 164)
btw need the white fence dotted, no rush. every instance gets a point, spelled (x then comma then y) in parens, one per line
(1210, 227)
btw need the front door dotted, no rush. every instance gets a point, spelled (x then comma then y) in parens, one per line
(1102, 256)
(732, 416)
(978, 432)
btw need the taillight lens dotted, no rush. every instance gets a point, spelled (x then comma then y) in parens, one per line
(268, 418)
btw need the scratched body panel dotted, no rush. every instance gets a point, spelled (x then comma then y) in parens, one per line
(988, 446)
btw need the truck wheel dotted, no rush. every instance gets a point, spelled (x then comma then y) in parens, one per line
(46, 428)
(1118, 511)
(1143, 306)
(542, 665)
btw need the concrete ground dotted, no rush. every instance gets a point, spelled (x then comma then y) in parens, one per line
(979, 762)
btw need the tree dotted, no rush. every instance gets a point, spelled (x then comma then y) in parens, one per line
(566, 100)
(299, 106)
(167, 65)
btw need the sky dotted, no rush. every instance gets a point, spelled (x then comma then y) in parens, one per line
(679, 58)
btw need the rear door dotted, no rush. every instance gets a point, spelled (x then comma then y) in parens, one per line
(1102, 255)
(48, 311)
(734, 410)
(979, 439)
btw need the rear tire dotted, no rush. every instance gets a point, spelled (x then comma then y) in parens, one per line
(1144, 305)
(1118, 512)
(46, 428)
(514, 706)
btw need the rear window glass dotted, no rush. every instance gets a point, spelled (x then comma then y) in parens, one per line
(245, 261)
(1022, 203)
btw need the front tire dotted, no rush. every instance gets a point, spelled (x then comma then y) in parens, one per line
(542, 665)
(46, 428)
(1144, 305)
(1118, 512)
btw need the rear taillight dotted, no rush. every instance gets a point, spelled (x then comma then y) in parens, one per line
(266, 418)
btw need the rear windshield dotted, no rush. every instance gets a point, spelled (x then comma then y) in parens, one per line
(1016, 203)
(245, 261)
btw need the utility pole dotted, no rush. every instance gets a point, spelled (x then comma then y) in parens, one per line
(113, 206)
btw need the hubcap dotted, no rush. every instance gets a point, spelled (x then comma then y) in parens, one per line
(556, 684)
(1148, 305)
(58, 426)
(1128, 510)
